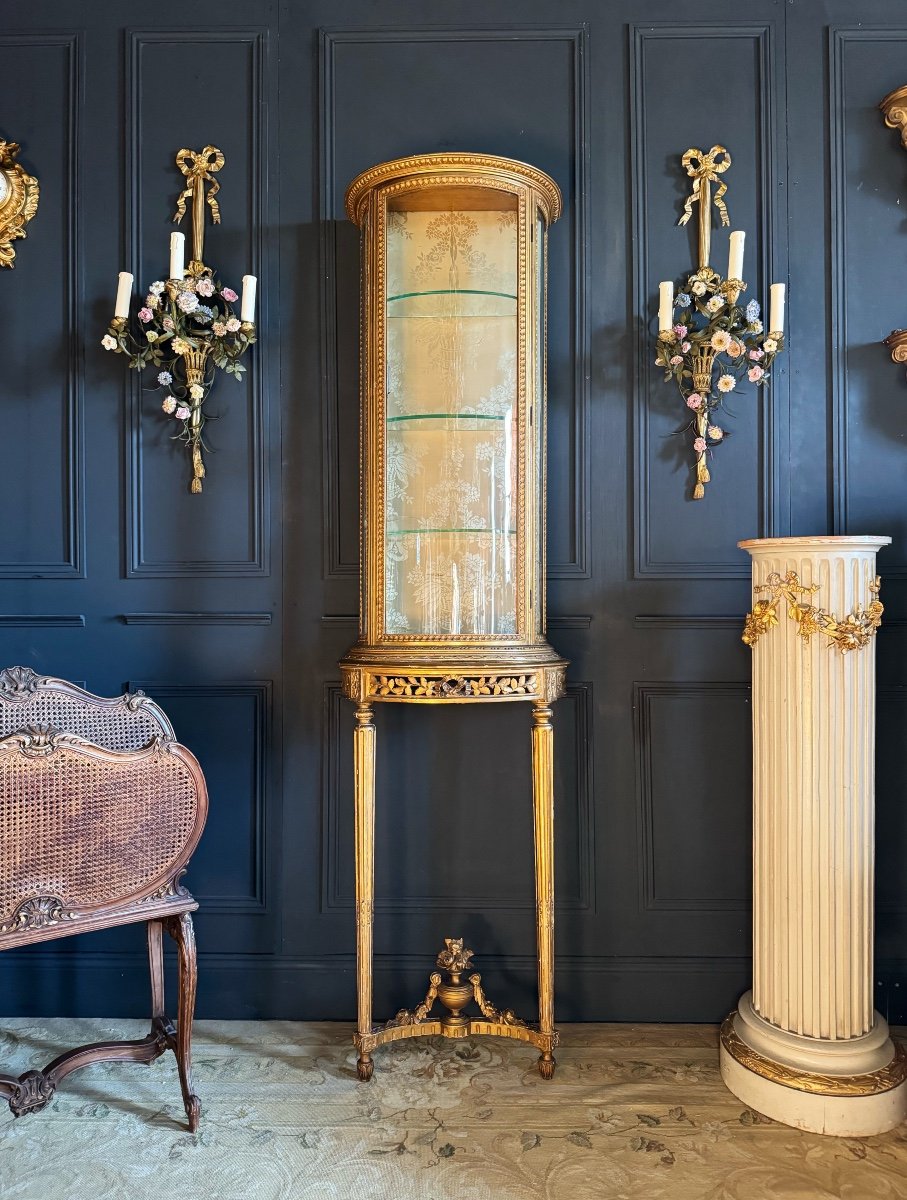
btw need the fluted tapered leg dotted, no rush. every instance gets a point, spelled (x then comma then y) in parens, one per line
(364, 769)
(805, 1046)
(543, 808)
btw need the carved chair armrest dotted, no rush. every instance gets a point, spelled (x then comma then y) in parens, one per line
(91, 837)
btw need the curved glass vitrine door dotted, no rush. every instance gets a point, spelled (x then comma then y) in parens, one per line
(451, 417)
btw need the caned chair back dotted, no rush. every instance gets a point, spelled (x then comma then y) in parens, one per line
(28, 700)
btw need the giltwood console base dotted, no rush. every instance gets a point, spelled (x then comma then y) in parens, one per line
(536, 676)
(366, 1043)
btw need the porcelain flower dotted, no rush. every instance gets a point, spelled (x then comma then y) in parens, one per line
(755, 373)
(755, 326)
(770, 345)
(726, 383)
(685, 347)
(683, 300)
(699, 445)
(755, 355)
(169, 404)
(219, 328)
(233, 324)
(145, 315)
(680, 330)
(735, 348)
(753, 310)
(164, 378)
(168, 324)
(157, 287)
(182, 413)
(676, 360)
(716, 433)
(229, 295)
(152, 301)
(187, 301)
(715, 304)
(699, 288)
(694, 400)
(181, 346)
(196, 391)
(721, 339)
(205, 287)
(150, 335)
(108, 342)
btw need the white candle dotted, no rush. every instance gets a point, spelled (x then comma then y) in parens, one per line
(665, 306)
(124, 294)
(247, 310)
(735, 255)
(177, 255)
(776, 311)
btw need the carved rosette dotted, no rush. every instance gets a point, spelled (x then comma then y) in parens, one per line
(18, 683)
(39, 912)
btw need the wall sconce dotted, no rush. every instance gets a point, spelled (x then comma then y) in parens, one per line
(19, 194)
(894, 109)
(187, 326)
(702, 327)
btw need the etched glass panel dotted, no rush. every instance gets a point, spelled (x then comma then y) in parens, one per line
(451, 418)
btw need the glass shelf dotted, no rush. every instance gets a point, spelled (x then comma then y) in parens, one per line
(442, 529)
(451, 292)
(447, 417)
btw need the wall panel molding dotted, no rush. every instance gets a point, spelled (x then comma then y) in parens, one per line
(259, 694)
(645, 565)
(72, 336)
(334, 565)
(258, 562)
(337, 741)
(196, 618)
(645, 695)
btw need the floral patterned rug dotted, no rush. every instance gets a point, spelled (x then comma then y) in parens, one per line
(633, 1111)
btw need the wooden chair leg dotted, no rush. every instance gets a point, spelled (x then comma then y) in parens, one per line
(156, 970)
(181, 930)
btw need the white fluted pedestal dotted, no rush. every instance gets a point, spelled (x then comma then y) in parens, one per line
(805, 1045)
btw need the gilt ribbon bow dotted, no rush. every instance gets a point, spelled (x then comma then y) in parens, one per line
(199, 167)
(706, 167)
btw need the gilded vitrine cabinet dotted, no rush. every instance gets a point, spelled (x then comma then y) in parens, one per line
(452, 606)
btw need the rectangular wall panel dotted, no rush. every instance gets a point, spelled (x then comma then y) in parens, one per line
(868, 297)
(223, 531)
(447, 81)
(694, 783)
(674, 536)
(41, 310)
(227, 726)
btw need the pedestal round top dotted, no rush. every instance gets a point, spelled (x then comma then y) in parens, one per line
(832, 541)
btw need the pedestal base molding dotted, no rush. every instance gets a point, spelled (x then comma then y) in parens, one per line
(853, 1087)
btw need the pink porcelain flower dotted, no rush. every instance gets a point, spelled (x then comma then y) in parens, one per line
(694, 400)
(676, 360)
(182, 413)
(754, 374)
(685, 347)
(755, 355)
(145, 315)
(205, 287)
(229, 295)
(699, 445)
(680, 330)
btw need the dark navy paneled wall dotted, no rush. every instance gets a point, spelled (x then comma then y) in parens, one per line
(232, 607)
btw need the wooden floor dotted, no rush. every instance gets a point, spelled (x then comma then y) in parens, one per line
(633, 1111)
